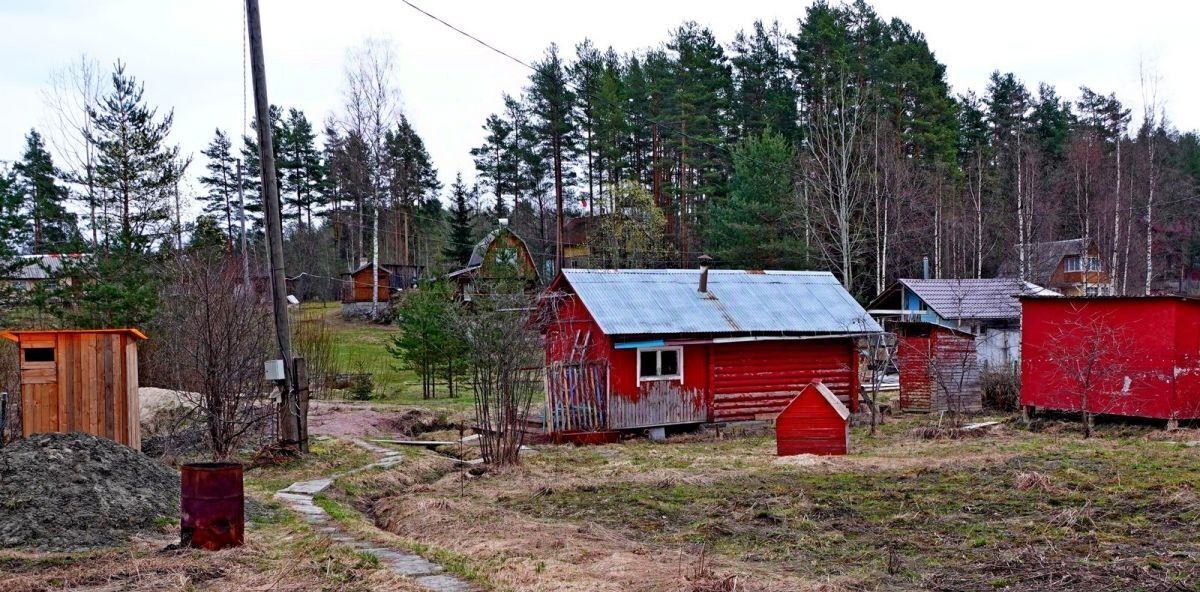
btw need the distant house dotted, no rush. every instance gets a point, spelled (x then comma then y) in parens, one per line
(357, 284)
(499, 256)
(989, 308)
(640, 348)
(1069, 267)
(576, 233)
(39, 270)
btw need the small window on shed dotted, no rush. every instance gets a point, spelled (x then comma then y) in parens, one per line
(660, 363)
(39, 354)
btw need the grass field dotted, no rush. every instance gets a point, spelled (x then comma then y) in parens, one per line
(361, 347)
(1015, 508)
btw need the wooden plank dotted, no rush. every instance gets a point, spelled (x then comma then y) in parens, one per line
(120, 405)
(87, 357)
(106, 377)
(77, 383)
(66, 394)
(133, 397)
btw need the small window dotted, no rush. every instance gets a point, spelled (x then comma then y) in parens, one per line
(39, 354)
(665, 363)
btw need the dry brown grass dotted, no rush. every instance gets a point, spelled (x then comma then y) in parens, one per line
(280, 556)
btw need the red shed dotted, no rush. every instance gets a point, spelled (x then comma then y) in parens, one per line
(637, 348)
(1134, 356)
(815, 422)
(939, 368)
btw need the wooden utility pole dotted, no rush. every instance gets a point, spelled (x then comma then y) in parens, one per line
(289, 409)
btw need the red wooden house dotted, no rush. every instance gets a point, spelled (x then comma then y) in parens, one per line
(638, 348)
(1135, 356)
(815, 422)
(939, 368)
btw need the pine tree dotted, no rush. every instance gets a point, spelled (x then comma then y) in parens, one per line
(139, 170)
(302, 174)
(700, 114)
(135, 165)
(221, 181)
(461, 238)
(551, 99)
(491, 159)
(411, 183)
(766, 95)
(53, 227)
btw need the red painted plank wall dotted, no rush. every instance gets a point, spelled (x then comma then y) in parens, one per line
(756, 377)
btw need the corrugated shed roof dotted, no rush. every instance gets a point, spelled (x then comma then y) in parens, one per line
(986, 298)
(40, 267)
(667, 302)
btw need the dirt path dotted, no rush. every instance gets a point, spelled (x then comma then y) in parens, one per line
(299, 497)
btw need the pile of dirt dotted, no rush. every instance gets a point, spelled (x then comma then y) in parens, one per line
(69, 492)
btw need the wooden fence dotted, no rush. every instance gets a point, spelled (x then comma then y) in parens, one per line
(576, 395)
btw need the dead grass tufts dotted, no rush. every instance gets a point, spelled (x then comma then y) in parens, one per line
(1033, 480)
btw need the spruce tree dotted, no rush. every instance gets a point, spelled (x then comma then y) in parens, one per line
(52, 226)
(13, 230)
(460, 241)
(753, 226)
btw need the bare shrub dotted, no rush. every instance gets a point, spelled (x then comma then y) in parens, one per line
(504, 351)
(313, 341)
(216, 335)
(1001, 388)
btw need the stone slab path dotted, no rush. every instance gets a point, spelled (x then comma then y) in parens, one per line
(299, 497)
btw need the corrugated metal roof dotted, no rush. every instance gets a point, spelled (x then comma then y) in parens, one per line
(985, 298)
(39, 267)
(667, 302)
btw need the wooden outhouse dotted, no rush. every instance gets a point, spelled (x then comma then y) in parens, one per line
(80, 381)
(939, 368)
(814, 422)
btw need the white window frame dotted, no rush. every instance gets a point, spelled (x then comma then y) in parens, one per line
(658, 360)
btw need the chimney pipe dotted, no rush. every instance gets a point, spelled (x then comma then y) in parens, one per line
(704, 260)
(925, 267)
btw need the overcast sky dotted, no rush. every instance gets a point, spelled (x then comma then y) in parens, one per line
(189, 53)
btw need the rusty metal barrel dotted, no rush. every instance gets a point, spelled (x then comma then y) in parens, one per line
(212, 506)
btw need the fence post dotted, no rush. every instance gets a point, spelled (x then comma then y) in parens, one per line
(300, 383)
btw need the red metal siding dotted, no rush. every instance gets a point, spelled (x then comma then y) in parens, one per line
(809, 425)
(1152, 346)
(756, 377)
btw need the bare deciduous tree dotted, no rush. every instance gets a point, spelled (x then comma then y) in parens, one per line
(372, 104)
(74, 89)
(216, 334)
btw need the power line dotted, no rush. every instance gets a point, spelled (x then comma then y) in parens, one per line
(468, 35)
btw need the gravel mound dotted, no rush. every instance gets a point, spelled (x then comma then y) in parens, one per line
(69, 492)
